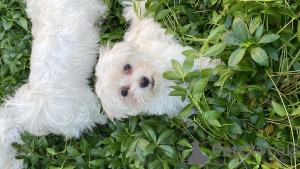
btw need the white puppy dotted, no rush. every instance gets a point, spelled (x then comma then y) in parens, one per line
(129, 76)
(58, 97)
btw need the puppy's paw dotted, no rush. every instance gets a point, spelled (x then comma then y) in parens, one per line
(9, 132)
(134, 11)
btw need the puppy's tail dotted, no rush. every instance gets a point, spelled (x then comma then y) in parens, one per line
(53, 107)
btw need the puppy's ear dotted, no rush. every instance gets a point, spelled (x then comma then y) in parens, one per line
(104, 49)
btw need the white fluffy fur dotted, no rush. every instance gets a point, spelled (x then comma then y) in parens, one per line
(57, 98)
(149, 52)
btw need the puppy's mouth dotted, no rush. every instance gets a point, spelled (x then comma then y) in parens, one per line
(152, 83)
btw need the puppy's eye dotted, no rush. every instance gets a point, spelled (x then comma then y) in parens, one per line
(124, 92)
(127, 67)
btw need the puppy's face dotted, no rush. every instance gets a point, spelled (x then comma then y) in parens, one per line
(126, 80)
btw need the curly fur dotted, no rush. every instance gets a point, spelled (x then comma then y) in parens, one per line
(149, 52)
(57, 98)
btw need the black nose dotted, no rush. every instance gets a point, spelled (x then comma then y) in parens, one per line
(144, 82)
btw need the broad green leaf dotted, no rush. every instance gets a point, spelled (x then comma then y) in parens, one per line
(24, 23)
(204, 48)
(143, 144)
(215, 50)
(153, 7)
(272, 53)
(169, 31)
(287, 43)
(218, 101)
(166, 133)
(263, 166)
(269, 38)
(149, 132)
(197, 96)
(278, 108)
(6, 25)
(254, 24)
(84, 145)
(298, 31)
(215, 17)
(216, 32)
(51, 151)
(131, 149)
(187, 65)
(115, 164)
(185, 111)
(169, 151)
(177, 67)
(97, 162)
(72, 151)
(227, 21)
(165, 164)
(149, 148)
(220, 70)
(194, 73)
(184, 142)
(132, 123)
(296, 111)
(272, 140)
(261, 142)
(125, 144)
(257, 157)
(34, 158)
(70, 167)
(236, 57)
(2, 33)
(52, 167)
(213, 2)
(212, 116)
(238, 97)
(244, 67)
(156, 163)
(240, 29)
(260, 121)
(191, 52)
(257, 87)
(185, 28)
(259, 56)
(236, 127)
(231, 38)
(253, 119)
(171, 75)
(162, 14)
(192, 16)
(236, 7)
(259, 32)
(200, 85)
(178, 88)
(119, 135)
(296, 121)
(233, 163)
(177, 93)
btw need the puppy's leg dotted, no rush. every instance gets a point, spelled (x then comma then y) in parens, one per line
(134, 11)
(144, 29)
(9, 134)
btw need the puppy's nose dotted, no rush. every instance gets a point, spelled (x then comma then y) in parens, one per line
(144, 82)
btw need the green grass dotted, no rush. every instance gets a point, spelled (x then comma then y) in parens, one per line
(252, 100)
